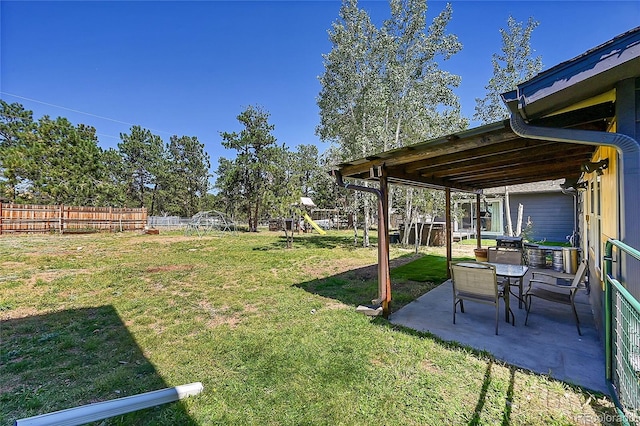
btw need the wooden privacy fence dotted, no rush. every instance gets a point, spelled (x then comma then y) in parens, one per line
(38, 218)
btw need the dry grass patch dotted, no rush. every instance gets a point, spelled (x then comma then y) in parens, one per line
(169, 268)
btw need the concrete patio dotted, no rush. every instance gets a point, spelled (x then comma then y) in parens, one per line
(549, 344)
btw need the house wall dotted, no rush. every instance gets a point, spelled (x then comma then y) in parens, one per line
(601, 219)
(628, 123)
(552, 214)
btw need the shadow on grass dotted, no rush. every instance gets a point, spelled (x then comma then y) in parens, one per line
(411, 277)
(74, 357)
(306, 241)
(596, 400)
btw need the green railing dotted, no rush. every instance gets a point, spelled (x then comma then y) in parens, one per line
(622, 337)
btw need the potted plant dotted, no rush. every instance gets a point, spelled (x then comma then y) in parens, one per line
(481, 254)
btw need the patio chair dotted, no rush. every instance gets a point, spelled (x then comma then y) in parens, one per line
(504, 255)
(476, 281)
(546, 286)
(509, 256)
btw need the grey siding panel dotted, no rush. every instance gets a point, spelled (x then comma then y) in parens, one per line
(552, 214)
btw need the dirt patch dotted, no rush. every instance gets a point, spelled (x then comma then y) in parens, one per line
(157, 327)
(170, 268)
(22, 312)
(429, 366)
(223, 315)
(49, 276)
(45, 277)
(335, 305)
(164, 239)
(11, 385)
(11, 265)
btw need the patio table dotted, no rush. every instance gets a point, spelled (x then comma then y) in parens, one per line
(511, 271)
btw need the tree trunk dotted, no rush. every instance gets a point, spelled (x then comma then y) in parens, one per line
(141, 191)
(367, 223)
(256, 216)
(419, 236)
(429, 234)
(250, 218)
(519, 223)
(508, 209)
(397, 136)
(408, 213)
(355, 229)
(153, 200)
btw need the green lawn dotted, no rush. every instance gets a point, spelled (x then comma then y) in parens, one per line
(272, 333)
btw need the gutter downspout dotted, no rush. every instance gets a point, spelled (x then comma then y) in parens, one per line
(574, 195)
(384, 281)
(629, 168)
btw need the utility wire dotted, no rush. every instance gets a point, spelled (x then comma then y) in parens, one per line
(79, 112)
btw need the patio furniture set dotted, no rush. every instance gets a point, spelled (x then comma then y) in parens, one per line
(491, 281)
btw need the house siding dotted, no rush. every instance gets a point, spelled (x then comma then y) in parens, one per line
(601, 222)
(552, 214)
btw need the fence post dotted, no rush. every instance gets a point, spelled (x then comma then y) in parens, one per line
(1, 204)
(61, 218)
(608, 257)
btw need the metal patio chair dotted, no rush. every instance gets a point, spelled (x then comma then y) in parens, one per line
(509, 256)
(546, 286)
(476, 281)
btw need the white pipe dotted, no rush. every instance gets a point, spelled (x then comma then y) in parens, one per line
(102, 410)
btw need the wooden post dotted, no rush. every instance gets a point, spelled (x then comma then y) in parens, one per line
(61, 218)
(1, 218)
(383, 244)
(382, 194)
(448, 230)
(478, 222)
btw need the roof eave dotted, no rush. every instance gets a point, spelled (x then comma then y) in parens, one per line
(587, 75)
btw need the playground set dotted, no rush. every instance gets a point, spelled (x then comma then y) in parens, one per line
(300, 220)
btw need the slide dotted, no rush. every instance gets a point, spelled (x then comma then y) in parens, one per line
(315, 225)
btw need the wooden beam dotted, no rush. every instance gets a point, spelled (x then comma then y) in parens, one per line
(534, 170)
(492, 183)
(447, 209)
(399, 177)
(512, 146)
(384, 279)
(478, 222)
(507, 160)
(432, 149)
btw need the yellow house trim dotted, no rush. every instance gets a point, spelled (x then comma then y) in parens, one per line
(609, 96)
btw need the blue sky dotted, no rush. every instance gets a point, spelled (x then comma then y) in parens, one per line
(189, 68)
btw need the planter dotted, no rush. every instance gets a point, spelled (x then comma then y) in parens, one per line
(481, 254)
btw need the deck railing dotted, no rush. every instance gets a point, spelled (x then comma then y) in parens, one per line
(622, 337)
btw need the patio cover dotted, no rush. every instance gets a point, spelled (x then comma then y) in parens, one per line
(483, 157)
(544, 139)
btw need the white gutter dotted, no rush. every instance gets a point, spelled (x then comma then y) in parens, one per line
(629, 168)
(102, 410)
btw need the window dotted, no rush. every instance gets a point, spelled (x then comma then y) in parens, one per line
(491, 220)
